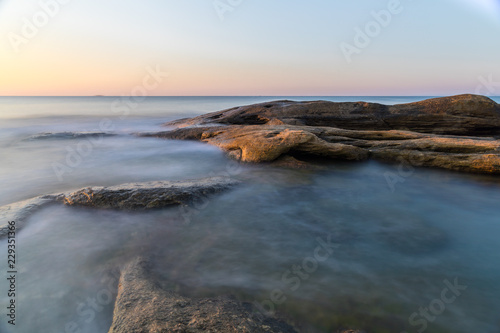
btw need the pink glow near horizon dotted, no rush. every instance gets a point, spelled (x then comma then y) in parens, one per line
(251, 50)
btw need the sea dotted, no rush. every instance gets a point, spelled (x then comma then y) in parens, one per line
(382, 247)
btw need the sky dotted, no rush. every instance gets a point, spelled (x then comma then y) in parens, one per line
(249, 47)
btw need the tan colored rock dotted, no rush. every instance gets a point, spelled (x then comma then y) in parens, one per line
(266, 144)
(143, 306)
(422, 133)
(473, 163)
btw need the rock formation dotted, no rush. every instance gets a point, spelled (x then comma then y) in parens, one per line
(138, 196)
(135, 196)
(142, 305)
(447, 133)
(471, 115)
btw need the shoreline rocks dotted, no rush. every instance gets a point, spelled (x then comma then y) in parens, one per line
(69, 135)
(149, 195)
(134, 196)
(446, 133)
(468, 114)
(142, 305)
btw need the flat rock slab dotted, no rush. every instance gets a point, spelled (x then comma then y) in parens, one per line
(69, 135)
(134, 196)
(149, 195)
(142, 305)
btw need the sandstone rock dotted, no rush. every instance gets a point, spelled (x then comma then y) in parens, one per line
(460, 115)
(142, 305)
(266, 144)
(287, 161)
(268, 132)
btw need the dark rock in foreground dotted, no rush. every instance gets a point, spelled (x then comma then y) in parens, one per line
(148, 195)
(142, 305)
(356, 131)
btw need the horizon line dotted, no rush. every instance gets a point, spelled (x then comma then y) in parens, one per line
(119, 96)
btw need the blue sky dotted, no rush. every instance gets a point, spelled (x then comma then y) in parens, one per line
(254, 47)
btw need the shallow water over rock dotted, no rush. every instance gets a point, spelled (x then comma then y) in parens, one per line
(394, 248)
(391, 251)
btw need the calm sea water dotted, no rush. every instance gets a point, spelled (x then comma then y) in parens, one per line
(396, 249)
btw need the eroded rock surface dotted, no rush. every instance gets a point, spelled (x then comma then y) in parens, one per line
(134, 196)
(356, 131)
(158, 194)
(458, 115)
(142, 305)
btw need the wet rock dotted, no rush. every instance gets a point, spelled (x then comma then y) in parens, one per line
(142, 305)
(69, 135)
(273, 131)
(135, 196)
(149, 195)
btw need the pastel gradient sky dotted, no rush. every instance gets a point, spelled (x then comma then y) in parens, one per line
(261, 47)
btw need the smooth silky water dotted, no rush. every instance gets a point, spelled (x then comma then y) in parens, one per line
(394, 245)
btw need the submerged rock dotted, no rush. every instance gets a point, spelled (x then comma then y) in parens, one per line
(355, 131)
(142, 305)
